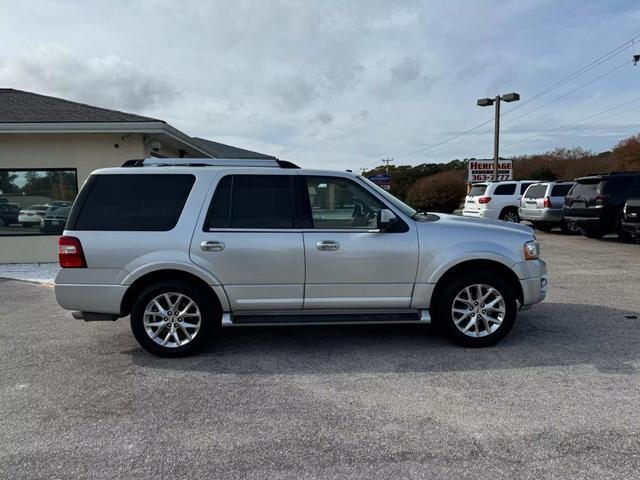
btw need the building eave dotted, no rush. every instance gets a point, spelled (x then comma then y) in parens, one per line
(146, 128)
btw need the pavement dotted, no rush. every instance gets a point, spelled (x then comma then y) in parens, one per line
(558, 398)
(30, 272)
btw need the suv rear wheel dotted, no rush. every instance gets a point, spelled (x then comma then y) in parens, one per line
(476, 309)
(173, 319)
(510, 215)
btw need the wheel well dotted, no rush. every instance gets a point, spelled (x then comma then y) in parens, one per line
(158, 276)
(479, 265)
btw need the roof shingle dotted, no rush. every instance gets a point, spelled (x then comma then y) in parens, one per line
(18, 106)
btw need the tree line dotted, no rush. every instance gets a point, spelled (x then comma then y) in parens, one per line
(441, 187)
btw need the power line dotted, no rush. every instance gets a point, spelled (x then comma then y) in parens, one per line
(559, 97)
(572, 123)
(598, 61)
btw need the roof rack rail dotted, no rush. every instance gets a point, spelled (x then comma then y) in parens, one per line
(209, 162)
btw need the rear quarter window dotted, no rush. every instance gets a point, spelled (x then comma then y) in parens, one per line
(561, 190)
(131, 202)
(505, 189)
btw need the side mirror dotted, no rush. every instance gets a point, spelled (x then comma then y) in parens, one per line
(386, 219)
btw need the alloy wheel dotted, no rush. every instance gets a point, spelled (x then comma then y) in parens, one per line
(478, 310)
(172, 319)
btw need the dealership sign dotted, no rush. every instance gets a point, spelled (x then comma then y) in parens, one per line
(482, 170)
(381, 179)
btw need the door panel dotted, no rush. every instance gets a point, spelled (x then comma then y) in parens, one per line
(369, 269)
(258, 270)
(248, 241)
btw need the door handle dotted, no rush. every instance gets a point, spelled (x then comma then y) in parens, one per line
(327, 245)
(212, 246)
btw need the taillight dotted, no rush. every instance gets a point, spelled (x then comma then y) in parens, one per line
(546, 202)
(70, 253)
(602, 198)
(484, 200)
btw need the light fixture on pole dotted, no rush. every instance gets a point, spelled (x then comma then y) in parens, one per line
(486, 102)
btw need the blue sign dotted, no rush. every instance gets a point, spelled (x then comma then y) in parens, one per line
(380, 178)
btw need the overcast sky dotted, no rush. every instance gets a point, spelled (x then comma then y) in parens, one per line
(336, 84)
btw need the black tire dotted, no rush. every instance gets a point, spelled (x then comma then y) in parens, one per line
(510, 215)
(569, 228)
(446, 296)
(623, 235)
(591, 232)
(543, 226)
(210, 316)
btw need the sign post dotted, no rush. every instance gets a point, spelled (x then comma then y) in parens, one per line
(382, 180)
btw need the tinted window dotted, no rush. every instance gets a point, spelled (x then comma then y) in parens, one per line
(147, 202)
(536, 191)
(505, 189)
(615, 185)
(340, 203)
(477, 190)
(252, 201)
(524, 186)
(561, 190)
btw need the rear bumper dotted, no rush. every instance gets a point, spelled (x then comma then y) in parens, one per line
(482, 213)
(91, 298)
(541, 215)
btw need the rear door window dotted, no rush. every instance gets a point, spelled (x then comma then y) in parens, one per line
(131, 202)
(536, 191)
(524, 186)
(505, 189)
(252, 201)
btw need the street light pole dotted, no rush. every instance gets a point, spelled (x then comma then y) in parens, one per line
(496, 139)
(485, 102)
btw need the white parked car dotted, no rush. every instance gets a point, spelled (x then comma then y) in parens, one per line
(496, 200)
(183, 246)
(31, 216)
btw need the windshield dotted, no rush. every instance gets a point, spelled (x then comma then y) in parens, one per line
(400, 205)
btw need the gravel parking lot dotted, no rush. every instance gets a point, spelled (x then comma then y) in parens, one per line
(559, 398)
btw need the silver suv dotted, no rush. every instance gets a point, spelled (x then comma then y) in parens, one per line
(184, 246)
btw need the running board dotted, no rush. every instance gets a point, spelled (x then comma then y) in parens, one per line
(324, 318)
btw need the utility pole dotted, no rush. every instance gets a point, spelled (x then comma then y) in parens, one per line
(387, 161)
(485, 102)
(363, 169)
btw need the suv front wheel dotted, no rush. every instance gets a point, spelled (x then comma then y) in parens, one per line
(173, 319)
(476, 309)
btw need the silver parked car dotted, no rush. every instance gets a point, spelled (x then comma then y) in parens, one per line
(186, 245)
(542, 205)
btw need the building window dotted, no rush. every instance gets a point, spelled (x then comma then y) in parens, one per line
(36, 202)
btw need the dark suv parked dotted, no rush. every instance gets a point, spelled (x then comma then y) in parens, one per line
(631, 218)
(595, 202)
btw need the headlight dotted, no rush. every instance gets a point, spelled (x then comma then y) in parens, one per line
(531, 250)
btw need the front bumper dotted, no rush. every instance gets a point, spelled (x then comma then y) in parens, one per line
(631, 228)
(533, 280)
